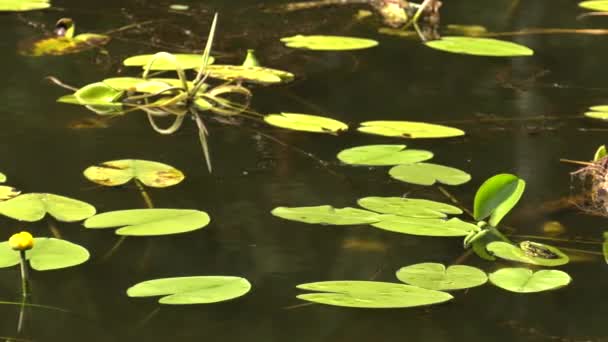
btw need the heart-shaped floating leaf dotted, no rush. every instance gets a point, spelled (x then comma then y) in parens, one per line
(530, 253)
(409, 129)
(598, 5)
(32, 207)
(371, 294)
(480, 47)
(497, 196)
(47, 254)
(429, 174)
(119, 172)
(409, 207)
(523, 280)
(23, 5)
(58, 46)
(425, 227)
(435, 276)
(192, 290)
(253, 74)
(185, 61)
(326, 214)
(306, 123)
(329, 43)
(381, 155)
(150, 222)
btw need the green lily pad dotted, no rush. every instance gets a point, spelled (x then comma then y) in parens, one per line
(508, 251)
(425, 226)
(306, 123)
(381, 155)
(326, 214)
(523, 280)
(8, 192)
(47, 254)
(57, 46)
(480, 46)
(497, 196)
(435, 276)
(150, 222)
(119, 172)
(23, 5)
(95, 94)
(34, 206)
(601, 108)
(328, 43)
(253, 74)
(409, 129)
(597, 115)
(185, 61)
(429, 174)
(599, 5)
(192, 290)
(371, 294)
(408, 207)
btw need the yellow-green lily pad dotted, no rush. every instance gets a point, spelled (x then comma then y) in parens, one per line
(253, 74)
(34, 206)
(327, 215)
(508, 251)
(119, 172)
(382, 155)
(306, 123)
(435, 276)
(23, 5)
(185, 61)
(429, 174)
(599, 5)
(523, 280)
(409, 129)
(46, 254)
(328, 43)
(425, 226)
(480, 47)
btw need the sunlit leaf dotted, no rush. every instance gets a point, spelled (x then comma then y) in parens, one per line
(371, 294)
(57, 46)
(119, 172)
(185, 61)
(480, 46)
(546, 255)
(409, 207)
(94, 94)
(497, 196)
(429, 174)
(23, 5)
(601, 108)
(2, 177)
(435, 276)
(192, 290)
(523, 280)
(597, 115)
(150, 222)
(254, 74)
(408, 129)
(330, 43)
(34, 206)
(600, 153)
(599, 5)
(425, 226)
(305, 122)
(380, 155)
(7, 192)
(326, 214)
(47, 254)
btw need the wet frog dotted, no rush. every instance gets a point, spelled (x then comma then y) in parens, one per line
(537, 250)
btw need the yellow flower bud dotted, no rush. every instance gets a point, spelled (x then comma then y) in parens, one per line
(21, 241)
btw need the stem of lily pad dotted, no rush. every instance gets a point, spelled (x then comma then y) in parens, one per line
(24, 275)
(144, 194)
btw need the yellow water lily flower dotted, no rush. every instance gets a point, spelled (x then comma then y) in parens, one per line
(21, 241)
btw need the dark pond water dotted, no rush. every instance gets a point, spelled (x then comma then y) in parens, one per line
(43, 150)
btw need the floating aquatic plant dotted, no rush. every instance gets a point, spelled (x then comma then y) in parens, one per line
(33, 207)
(480, 46)
(596, 5)
(328, 43)
(23, 5)
(523, 280)
(119, 172)
(150, 222)
(435, 276)
(382, 155)
(409, 129)
(429, 174)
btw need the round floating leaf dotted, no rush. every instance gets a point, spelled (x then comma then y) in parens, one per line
(428, 174)
(192, 290)
(119, 172)
(185, 61)
(371, 294)
(480, 47)
(306, 123)
(253, 74)
(508, 251)
(58, 46)
(600, 5)
(23, 5)
(8, 192)
(32, 207)
(408, 129)
(597, 115)
(434, 276)
(523, 280)
(47, 254)
(329, 43)
(497, 196)
(326, 214)
(150, 222)
(425, 226)
(409, 207)
(380, 155)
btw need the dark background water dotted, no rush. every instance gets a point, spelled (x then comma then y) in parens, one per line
(41, 151)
